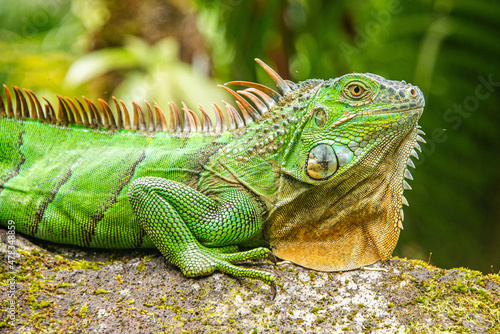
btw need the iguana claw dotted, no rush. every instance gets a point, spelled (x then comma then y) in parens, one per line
(271, 257)
(273, 290)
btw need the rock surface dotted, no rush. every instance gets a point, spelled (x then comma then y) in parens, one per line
(68, 289)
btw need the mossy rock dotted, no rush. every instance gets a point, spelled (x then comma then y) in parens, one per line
(69, 289)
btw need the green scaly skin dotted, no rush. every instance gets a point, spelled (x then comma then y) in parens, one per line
(325, 147)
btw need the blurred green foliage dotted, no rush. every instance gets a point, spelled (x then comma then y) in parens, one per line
(449, 48)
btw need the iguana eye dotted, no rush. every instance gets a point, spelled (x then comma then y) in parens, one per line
(355, 90)
(320, 117)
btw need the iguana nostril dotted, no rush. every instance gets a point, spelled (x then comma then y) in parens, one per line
(413, 93)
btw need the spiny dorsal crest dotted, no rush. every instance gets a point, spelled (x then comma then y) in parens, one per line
(86, 113)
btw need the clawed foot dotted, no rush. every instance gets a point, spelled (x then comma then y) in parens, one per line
(202, 261)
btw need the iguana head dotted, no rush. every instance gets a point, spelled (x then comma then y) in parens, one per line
(345, 119)
(341, 148)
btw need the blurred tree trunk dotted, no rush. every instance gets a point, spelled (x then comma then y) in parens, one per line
(150, 20)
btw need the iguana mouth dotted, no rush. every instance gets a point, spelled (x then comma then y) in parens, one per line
(414, 110)
(419, 111)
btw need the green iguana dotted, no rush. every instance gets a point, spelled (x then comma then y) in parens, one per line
(315, 173)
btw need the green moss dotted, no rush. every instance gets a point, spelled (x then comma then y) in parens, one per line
(83, 311)
(352, 315)
(5, 324)
(70, 311)
(316, 310)
(458, 295)
(141, 267)
(119, 279)
(100, 291)
(43, 304)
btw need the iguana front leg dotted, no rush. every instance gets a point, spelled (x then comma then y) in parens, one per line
(197, 233)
